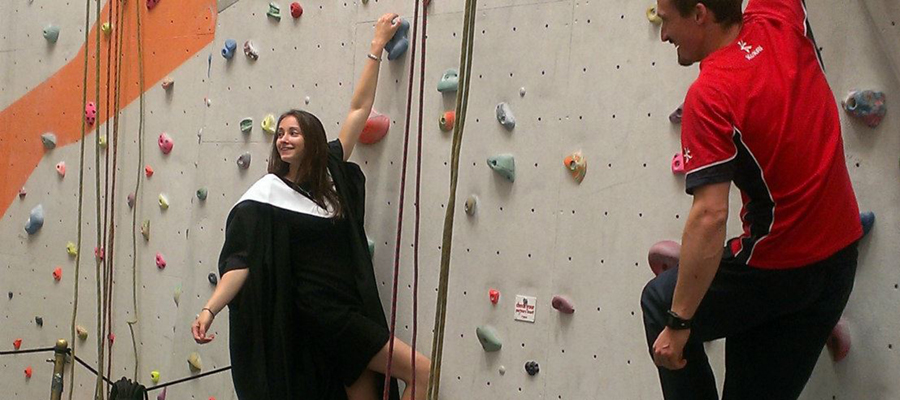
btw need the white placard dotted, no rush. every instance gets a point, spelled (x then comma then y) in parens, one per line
(525, 308)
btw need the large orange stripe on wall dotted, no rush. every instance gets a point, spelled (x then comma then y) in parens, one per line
(173, 32)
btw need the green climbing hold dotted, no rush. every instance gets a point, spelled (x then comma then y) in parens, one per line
(246, 125)
(449, 81)
(274, 11)
(145, 229)
(177, 295)
(371, 247)
(51, 33)
(489, 338)
(49, 140)
(202, 193)
(504, 164)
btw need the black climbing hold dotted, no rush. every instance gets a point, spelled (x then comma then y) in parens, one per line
(868, 220)
(532, 368)
(10, 295)
(213, 279)
(39, 321)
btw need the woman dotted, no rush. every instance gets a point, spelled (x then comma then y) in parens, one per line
(305, 317)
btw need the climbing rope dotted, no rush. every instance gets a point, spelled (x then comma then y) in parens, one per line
(396, 281)
(462, 102)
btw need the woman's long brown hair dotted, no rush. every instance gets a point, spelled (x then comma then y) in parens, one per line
(313, 175)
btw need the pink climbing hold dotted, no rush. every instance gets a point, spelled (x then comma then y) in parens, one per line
(494, 295)
(162, 396)
(99, 253)
(839, 341)
(376, 128)
(61, 168)
(151, 4)
(90, 113)
(663, 255)
(17, 343)
(160, 261)
(148, 170)
(296, 10)
(22, 192)
(57, 274)
(563, 304)
(678, 163)
(165, 143)
(112, 338)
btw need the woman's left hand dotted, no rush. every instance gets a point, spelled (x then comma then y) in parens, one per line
(385, 28)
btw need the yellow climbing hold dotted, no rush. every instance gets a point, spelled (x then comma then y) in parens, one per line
(154, 376)
(82, 333)
(102, 140)
(106, 28)
(652, 15)
(145, 229)
(71, 249)
(194, 361)
(268, 124)
(163, 202)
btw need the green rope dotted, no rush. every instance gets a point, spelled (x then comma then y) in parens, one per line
(137, 189)
(462, 102)
(98, 390)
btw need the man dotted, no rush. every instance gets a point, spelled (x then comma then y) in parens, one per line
(760, 115)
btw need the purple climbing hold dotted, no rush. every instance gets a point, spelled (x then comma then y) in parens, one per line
(35, 220)
(663, 256)
(675, 116)
(563, 304)
(244, 160)
(866, 105)
(130, 200)
(868, 221)
(532, 368)
(162, 396)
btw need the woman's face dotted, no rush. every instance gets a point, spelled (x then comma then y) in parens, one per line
(289, 140)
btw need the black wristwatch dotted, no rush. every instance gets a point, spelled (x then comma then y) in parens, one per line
(676, 322)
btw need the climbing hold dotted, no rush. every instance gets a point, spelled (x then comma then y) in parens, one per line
(130, 200)
(99, 253)
(250, 50)
(471, 204)
(229, 49)
(35, 220)
(160, 261)
(194, 361)
(168, 82)
(101, 140)
(177, 295)
(57, 274)
(10, 294)
(61, 168)
(49, 140)
(28, 372)
(162, 396)
(447, 121)
(663, 255)
(39, 321)
(148, 170)
(490, 340)
(522, 91)
(165, 143)
(212, 278)
(532, 368)
(163, 201)
(577, 166)
(274, 11)
(145, 229)
(449, 81)
(17, 343)
(268, 124)
(563, 304)
(71, 249)
(399, 43)
(22, 192)
(502, 370)
(505, 165)
(494, 295)
(246, 125)
(296, 10)
(51, 33)
(152, 3)
(868, 220)
(244, 160)
(371, 244)
(82, 333)
(675, 116)
(653, 16)
(106, 28)
(111, 338)
(678, 163)
(154, 376)
(505, 116)
(90, 113)
(839, 341)
(866, 105)
(202, 193)
(377, 126)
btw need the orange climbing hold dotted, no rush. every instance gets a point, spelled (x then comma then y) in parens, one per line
(57, 274)
(28, 372)
(148, 170)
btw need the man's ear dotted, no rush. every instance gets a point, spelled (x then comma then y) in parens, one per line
(702, 15)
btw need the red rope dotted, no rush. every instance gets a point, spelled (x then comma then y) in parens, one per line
(415, 317)
(393, 325)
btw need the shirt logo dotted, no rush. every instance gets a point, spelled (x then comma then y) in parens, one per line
(747, 48)
(687, 155)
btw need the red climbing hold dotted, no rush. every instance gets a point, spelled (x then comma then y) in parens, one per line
(664, 255)
(563, 304)
(376, 128)
(17, 343)
(22, 193)
(28, 372)
(839, 341)
(148, 170)
(494, 295)
(151, 4)
(296, 10)
(57, 274)
(99, 253)
(112, 338)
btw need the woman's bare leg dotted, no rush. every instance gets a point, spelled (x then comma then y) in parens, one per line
(401, 368)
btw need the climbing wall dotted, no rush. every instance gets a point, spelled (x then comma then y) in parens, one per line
(589, 76)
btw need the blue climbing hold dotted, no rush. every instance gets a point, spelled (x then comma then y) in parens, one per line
(229, 49)
(399, 43)
(868, 220)
(35, 220)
